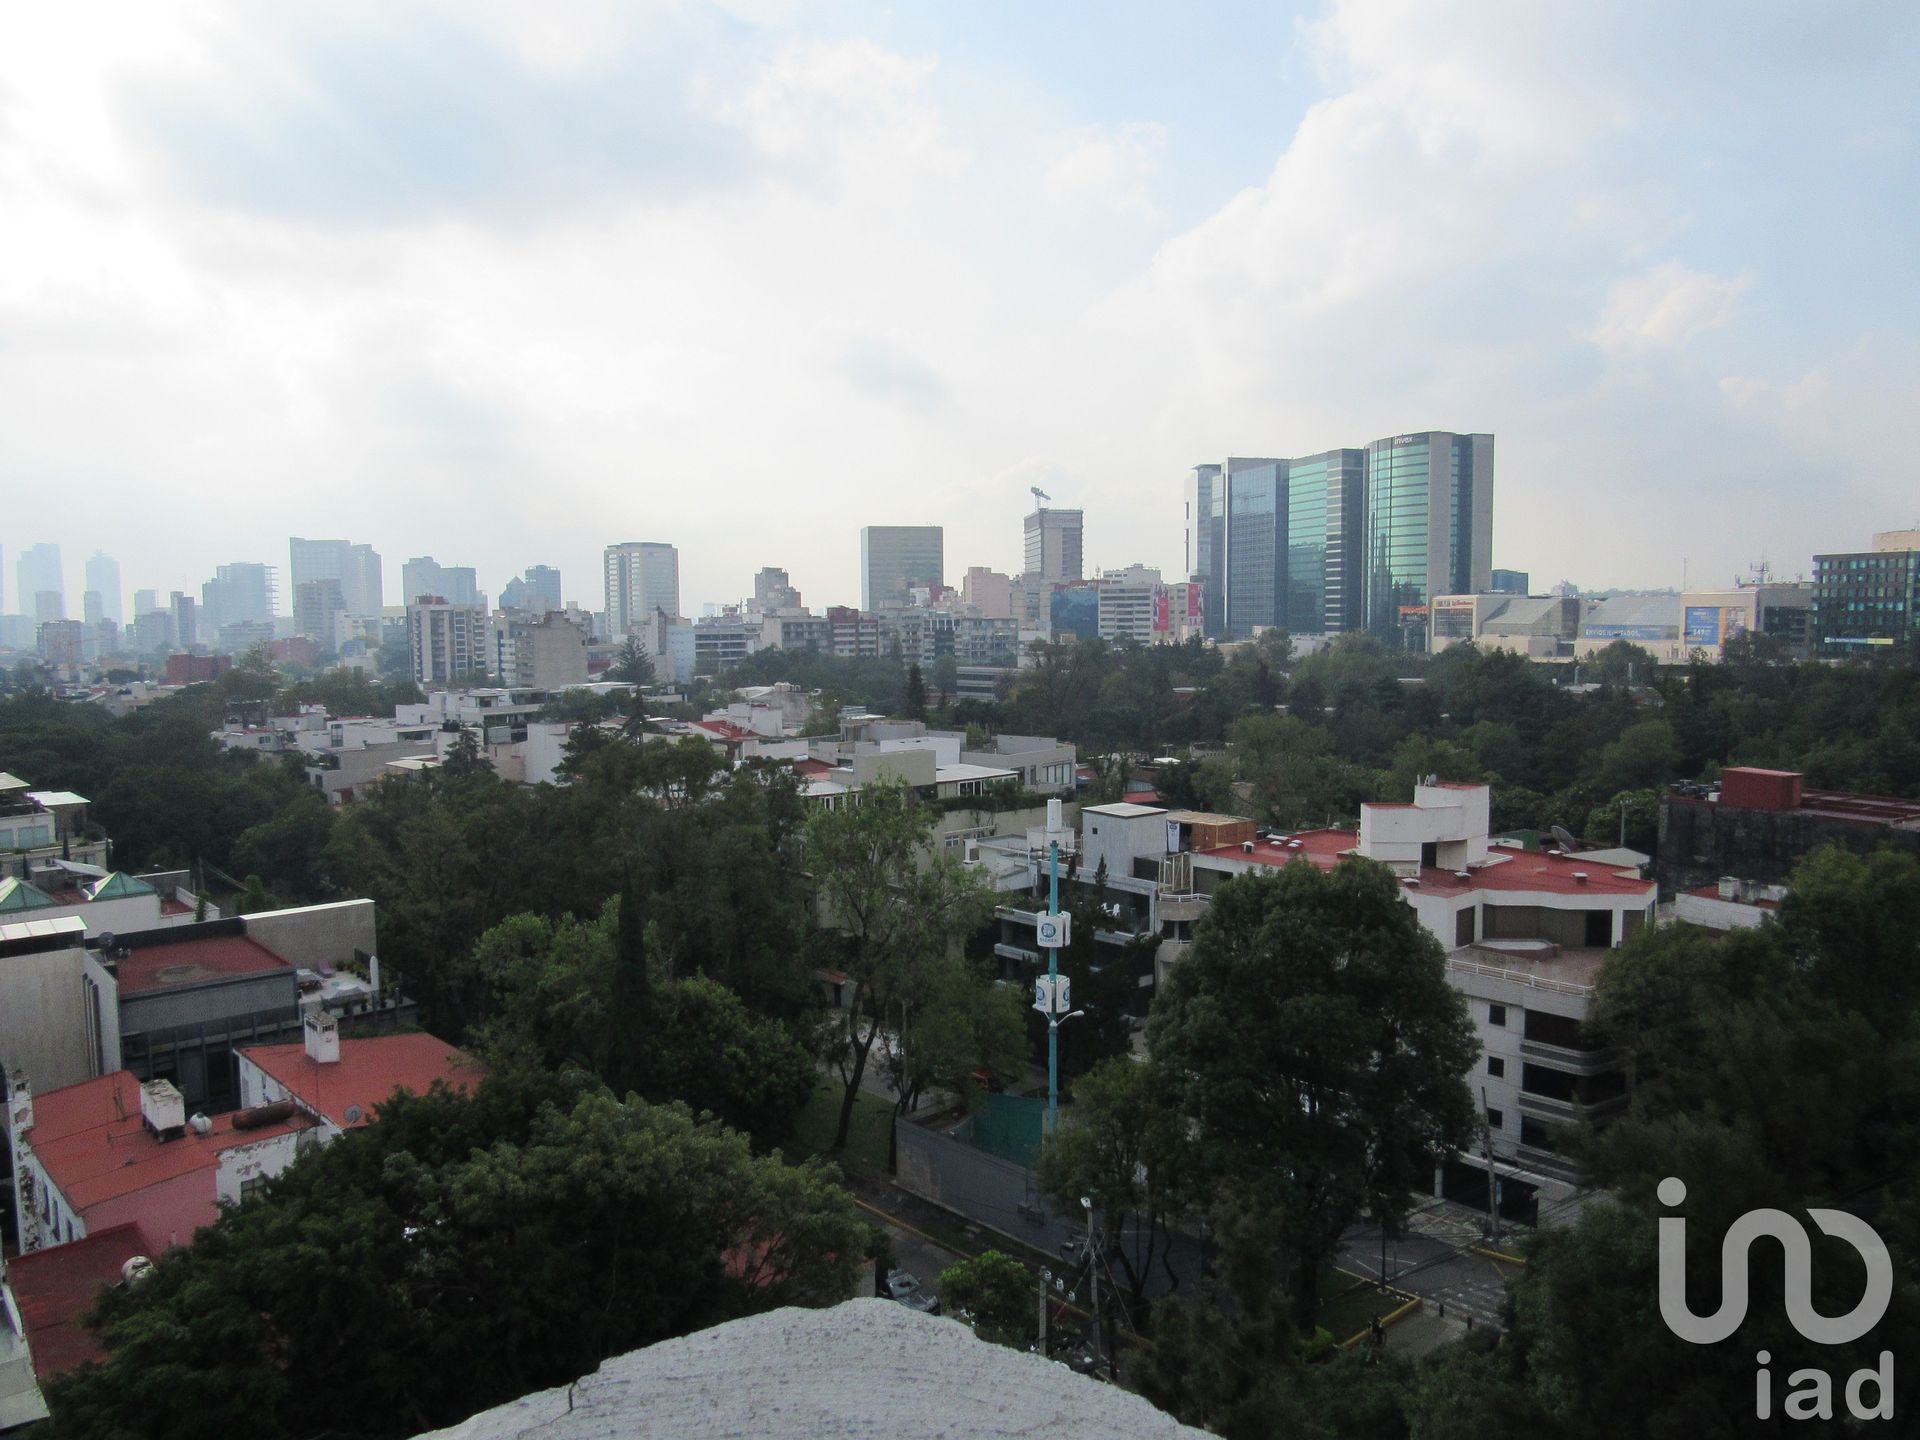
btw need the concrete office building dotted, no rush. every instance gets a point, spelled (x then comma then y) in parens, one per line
(103, 576)
(895, 558)
(1055, 545)
(1868, 600)
(1132, 604)
(642, 576)
(1429, 527)
(988, 591)
(186, 621)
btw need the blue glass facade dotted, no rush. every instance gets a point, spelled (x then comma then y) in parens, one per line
(1429, 527)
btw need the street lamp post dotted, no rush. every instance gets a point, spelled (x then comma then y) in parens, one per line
(1052, 998)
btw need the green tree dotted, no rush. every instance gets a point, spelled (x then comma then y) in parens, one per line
(899, 921)
(994, 1294)
(1312, 1043)
(633, 665)
(916, 694)
(456, 1255)
(1119, 1145)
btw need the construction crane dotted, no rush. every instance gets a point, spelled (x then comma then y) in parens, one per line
(1039, 494)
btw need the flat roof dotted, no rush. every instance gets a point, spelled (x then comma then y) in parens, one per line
(1832, 805)
(195, 960)
(95, 1146)
(369, 1070)
(1512, 871)
(944, 773)
(1573, 966)
(1121, 810)
(58, 1285)
(1206, 817)
(53, 799)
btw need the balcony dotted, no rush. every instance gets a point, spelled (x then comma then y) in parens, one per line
(1573, 1062)
(1017, 952)
(1566, 1112)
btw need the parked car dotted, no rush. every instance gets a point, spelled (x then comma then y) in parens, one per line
(904, 1287)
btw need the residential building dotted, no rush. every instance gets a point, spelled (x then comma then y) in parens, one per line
(445, 642)
(543, 654)
(1865, 601)
(103, 576)
(985, 640)
(856, 633)
(40, 825)
(1757, 825)
(336, 1083)
(153, 632)
(145, 602)
(773, 592)
(642, 577)
(895, 558)
(38, 572)
(1054, 544)
(350, 755)
(1429, 527)
(183, 669)
(59, 1011)
(62, 644)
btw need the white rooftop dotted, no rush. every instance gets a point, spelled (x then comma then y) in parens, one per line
(864, 1370)
(945, 773)
(54, 799)
(1124, 810)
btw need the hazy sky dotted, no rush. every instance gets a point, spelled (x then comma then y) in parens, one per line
(504, 283)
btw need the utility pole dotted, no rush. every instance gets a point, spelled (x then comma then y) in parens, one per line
(1100, 1348)
(1486, 1143)
(1052, 999)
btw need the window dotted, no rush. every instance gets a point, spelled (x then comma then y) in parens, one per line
(1496, 1120)
(251, 1188)
(1496, 1067)
(1496, 1015)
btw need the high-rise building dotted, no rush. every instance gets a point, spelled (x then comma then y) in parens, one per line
(1429, 527)
(315, 604)
(1344, 540)
(1868, 601)
(93, 608)
(36, 572)
(1132, 604)
(186, 623)
(987, 591)
(356, 567)
(642, 576)
(445, 641)
(1054, 546)
(773, 591)
(238, 594)
(422, 575)
(103, 575)
(543, 588)
(895, 558)
(48, 606)
(1510, 582)
(361, 586)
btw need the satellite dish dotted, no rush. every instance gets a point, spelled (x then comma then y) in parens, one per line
(106, 940)
(354, 1114)
(1567, 842)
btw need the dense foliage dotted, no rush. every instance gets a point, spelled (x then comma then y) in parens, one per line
(455, 1255)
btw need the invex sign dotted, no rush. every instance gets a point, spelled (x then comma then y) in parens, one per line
(1812, 1395)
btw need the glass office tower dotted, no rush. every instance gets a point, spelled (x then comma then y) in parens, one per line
(1429, 527)
(1326, 512)
(1256, 569)
(1207, 543)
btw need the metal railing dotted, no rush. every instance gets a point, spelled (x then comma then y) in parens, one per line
(1520, 977)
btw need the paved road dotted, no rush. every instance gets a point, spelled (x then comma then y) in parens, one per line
(1438, 1262)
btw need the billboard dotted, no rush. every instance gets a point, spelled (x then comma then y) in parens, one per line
(1162, 618)
(1627, 632)
(1703, 625)
(1196, 595)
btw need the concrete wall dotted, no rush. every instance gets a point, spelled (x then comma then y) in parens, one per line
(308, 934)
(45, 1026)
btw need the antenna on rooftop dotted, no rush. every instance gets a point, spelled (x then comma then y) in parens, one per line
(1038, 493)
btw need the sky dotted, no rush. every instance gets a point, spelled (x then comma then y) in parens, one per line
(505, 283)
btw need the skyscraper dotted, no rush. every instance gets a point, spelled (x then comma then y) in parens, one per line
(356, 567)
(543, 588)
(361, 586)
(1343, 540)
(238, 594)
(37, 572)
(895, 558)
(642, 576)
(1054, 549)
(103, 575)
(315, 603)
(1429, 526)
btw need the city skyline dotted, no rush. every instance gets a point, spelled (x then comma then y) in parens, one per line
(951, 247)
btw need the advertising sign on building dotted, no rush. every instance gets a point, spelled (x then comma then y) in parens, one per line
(1703, 625)
(1162, 618)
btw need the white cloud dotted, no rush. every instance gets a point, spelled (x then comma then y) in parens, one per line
(1665, 307)
(1110, 167)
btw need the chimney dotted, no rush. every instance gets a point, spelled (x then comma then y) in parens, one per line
(323, 1038)
(19, 1102)
(164, 1108)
